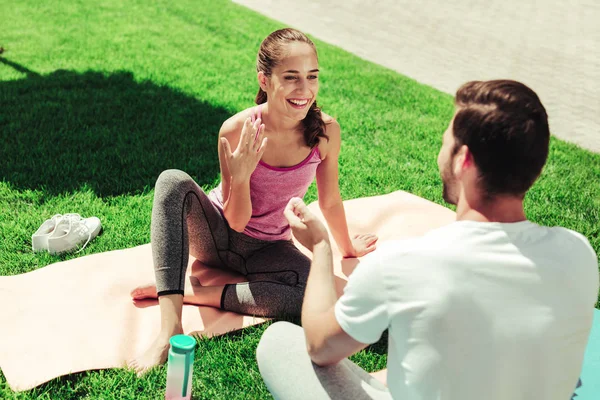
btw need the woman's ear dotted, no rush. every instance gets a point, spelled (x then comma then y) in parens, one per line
(262, 81)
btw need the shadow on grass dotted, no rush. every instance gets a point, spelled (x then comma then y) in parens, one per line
(66, 129)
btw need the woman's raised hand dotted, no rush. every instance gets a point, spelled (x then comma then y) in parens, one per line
(242, 162)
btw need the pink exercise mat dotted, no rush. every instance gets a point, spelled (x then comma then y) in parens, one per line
(77, 315)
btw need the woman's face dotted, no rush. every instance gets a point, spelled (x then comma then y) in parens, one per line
(293, 85)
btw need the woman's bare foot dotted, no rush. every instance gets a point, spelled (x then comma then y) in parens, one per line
(155, 355)
(170, 325)
(149, 291)
(194, 293)
(144, 292)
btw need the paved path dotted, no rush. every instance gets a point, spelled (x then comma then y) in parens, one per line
(552, 46)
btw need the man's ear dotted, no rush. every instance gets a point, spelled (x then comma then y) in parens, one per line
(262, 81)
(463, 160)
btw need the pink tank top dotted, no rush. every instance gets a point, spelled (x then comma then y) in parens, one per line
(271, 188)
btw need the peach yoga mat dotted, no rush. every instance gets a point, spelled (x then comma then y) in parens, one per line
(77, 315)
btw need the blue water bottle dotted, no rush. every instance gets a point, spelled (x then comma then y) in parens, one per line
(180, 368)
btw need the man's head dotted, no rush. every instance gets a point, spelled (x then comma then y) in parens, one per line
(497, 140)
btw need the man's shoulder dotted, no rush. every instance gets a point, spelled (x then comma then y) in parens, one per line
(428, 245)
(573, 242)
(454, 239)
(569, 236)
(436, 238)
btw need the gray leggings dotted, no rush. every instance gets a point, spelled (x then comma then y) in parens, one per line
(185, 221)
(289, 374)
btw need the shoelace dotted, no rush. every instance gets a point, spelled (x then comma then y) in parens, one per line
(56, 218)
(80, 228)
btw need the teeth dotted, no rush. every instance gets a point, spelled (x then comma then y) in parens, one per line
(299, 102)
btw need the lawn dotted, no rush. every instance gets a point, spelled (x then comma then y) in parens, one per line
(97, 98)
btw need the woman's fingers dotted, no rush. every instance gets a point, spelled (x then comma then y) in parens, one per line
(256, 124)
(262, 148)
(253, 131)
(370, 248)
(368, 238)
(259, 138)
(252, 134)
(244, 137)
(252, 139)
(365, 236)
(226, 147)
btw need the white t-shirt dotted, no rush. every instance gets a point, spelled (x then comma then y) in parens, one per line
(477, 310)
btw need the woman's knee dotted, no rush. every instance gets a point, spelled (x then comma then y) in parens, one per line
(171, 182)
(298, 263)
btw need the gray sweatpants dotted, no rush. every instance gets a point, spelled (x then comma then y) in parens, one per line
(185, 221)
(289, 373)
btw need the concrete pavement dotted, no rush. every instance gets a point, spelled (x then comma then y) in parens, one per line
(552, 46)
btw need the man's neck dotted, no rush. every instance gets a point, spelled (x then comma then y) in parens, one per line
(505, 209)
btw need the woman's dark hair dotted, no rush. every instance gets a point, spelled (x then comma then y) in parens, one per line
(270, 54)
(505, 127)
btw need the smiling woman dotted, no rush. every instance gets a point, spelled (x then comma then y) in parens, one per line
(280, 146)
(296, 79)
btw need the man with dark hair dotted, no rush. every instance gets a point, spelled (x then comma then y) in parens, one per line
(490, 307)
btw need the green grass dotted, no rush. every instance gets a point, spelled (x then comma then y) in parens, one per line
(97, 98)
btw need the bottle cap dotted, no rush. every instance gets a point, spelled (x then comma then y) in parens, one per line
(182, 344)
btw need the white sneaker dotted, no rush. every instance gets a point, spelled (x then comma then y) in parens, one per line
(39, 240)
(71, 231)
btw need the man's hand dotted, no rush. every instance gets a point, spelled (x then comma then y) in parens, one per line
(307, 228)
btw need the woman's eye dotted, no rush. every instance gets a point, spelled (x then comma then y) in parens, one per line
(290, 78)
(312, 77)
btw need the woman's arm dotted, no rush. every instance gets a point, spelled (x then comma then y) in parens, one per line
(237, 167)
(330, 200)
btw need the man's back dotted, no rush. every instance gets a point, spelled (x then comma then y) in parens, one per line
(485, 310)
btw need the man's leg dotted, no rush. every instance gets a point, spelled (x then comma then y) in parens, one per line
(289, 373)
